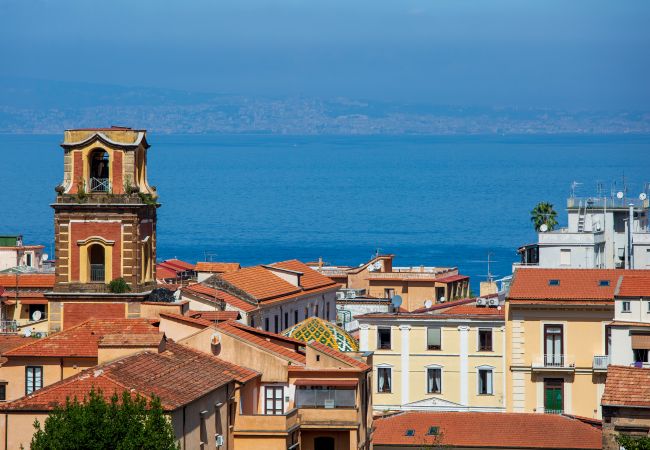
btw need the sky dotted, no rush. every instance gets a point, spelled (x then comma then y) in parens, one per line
(578, 54)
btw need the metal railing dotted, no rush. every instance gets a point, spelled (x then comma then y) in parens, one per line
(554, 360)
(100, 185)
(601, 362)
(8, 327)
(553, 411)
(97, 272)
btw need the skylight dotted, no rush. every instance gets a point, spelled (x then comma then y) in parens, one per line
(409, 432)
(553, 282)
(433, 431)
(603, 283)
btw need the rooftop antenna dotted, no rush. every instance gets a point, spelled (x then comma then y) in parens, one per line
(574, 185)
(377, 252)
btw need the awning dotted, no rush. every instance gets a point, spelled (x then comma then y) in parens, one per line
(9, 302)
(641, 341)
(344, 384)
(33, 301)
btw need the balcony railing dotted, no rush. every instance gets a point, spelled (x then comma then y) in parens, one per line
(8, 327)
(100, 185)
(325, 398)
(554, 361)
(97, 272)
(553, 411)
(266, 423)
(601, 362)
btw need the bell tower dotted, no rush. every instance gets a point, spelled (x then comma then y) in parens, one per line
(104, 227)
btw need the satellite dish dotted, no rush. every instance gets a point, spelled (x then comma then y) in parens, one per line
(442, 299)
(45, 256)
(643, 196)
(428, 303)
(543, 228)
(27, 332)
(36, 316)
(396, 301)
(377, 265)
(177, 294)
(619, 194)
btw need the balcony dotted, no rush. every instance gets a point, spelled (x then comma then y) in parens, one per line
(553, 411)
(329, 418)
(256, 424)
(97, 273)
(563, 236)
(100, 185)
(8, 327)
(601, 362)
(554, 363)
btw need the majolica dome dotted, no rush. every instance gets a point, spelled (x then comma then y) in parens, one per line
(316, 329)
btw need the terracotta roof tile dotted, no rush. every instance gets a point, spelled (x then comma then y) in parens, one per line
(627, 386)
(216, 267)
(215, 316)
(260, 283)
(268, 334)
(473, 310)
(339, 355)
(452, 278)
(574, 284)
(178, 375)
(211, 294)
(131, 340)
(9, 342)
(163, 272)
(177, 264)
(310, 278)
(28, 280)
(82, 340)
(186, 319)
(235, 329)
(487, 430)
(637, 285)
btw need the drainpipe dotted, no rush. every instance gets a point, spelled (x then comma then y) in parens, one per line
(630, 223)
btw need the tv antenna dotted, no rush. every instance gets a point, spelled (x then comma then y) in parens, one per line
(574, 185)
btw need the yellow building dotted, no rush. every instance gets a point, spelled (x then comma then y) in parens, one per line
(449, 357)
(556, 329)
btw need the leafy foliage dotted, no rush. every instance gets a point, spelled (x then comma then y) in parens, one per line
(633, 443)
(118, 286)
(544, 213)
(124, 423)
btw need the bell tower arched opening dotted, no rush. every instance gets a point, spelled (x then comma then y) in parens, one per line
(97, 262)
(99, 171)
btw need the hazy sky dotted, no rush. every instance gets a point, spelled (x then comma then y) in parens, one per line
(567, 53)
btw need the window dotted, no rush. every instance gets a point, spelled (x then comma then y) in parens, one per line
(383, 338)
(409, 432)
(434, 380)
(325, 397)
(640, 355)
(316, 310)
(485, 339)
(553, 346)
(434, 338)
(608, 339)
(275, 323)
(553, 395)
(295, 317)
(306, 311)
(433, 431)
(603, 283)
(286, 320)
(3, 392)
(383, 379)
(565, 257)
(28, 259)
(649, 307)
(273, 401)
(253, 322)
(389, 293)
(553, 282)
(267, 327)
(33, 379)
(485, 381)
(625, 307)
(327, 310)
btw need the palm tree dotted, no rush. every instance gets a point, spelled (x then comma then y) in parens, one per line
(542, 214)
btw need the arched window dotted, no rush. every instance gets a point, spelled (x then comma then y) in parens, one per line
(96, 260)
(99, 171)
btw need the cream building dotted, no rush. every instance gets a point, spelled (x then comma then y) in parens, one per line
(449, 357)
(556, 324)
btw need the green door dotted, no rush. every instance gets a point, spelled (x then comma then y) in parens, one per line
(553, 396)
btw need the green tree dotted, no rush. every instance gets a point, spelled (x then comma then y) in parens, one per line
(633, 443)
(123, 423)
(542, 214)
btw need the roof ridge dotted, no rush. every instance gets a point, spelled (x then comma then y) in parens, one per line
(225, 325)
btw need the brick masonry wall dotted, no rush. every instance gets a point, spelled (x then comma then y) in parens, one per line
(75, 313)
(109, 231)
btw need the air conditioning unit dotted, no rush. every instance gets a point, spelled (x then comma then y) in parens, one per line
(481, 302)
(340, 295)
(493, 301)
(219, 439)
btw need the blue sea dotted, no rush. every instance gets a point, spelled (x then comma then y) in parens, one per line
(443, 201)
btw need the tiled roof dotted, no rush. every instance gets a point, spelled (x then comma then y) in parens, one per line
(323, 331)
(473, 310)
(216, 267)
(268, 334)
(445, 305)
(310, 278)
(487, 430)
(637, 285)
(234, 329)
(28, 280)
(186, 319)
(339, 355)
(179, 375)
(82, 340)
(211, 294)
(574, 284)
(452, 278)
(177, 264)
(260, 283)
(627, 386)
(9, 342)
(215, 316)
(163, 272)
(131, 340)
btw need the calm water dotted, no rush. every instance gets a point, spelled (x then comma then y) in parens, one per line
(253, 199)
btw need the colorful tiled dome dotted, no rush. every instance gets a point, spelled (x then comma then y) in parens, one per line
(316, 329)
